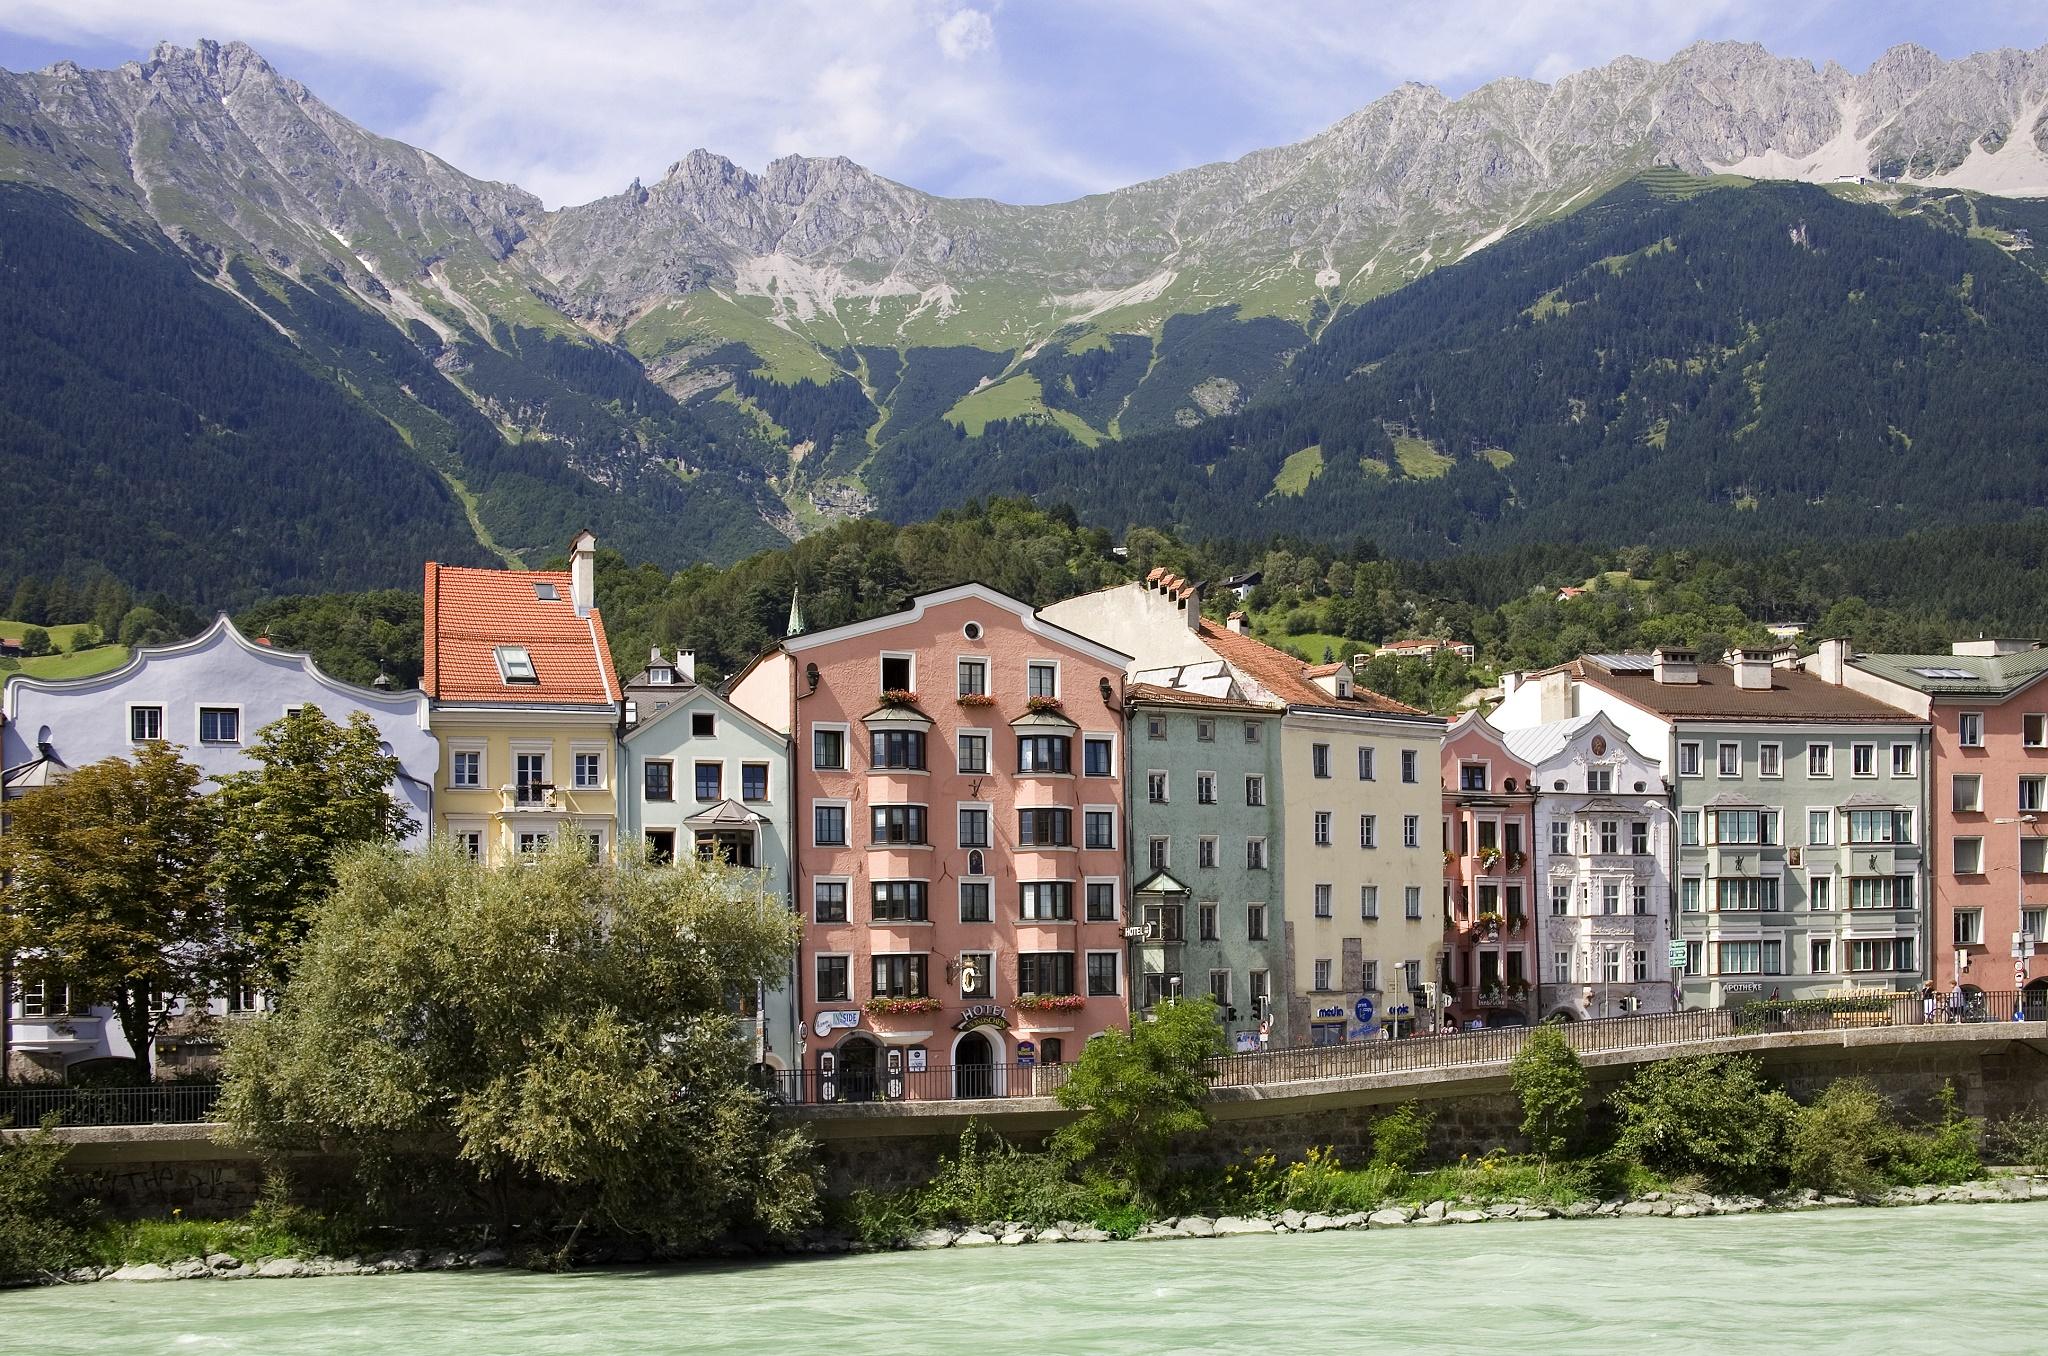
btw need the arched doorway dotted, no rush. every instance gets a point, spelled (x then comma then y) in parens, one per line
(859, 1078)
(2034, 1001)
(974, 1066)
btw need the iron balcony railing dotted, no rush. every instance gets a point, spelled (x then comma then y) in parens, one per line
(184, 1103)
(159, 1104)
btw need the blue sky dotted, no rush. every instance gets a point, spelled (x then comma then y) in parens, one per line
(1023, 100)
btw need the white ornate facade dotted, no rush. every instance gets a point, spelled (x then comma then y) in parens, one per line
(1603, 846)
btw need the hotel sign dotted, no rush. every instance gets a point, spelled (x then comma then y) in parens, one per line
(983, 1014)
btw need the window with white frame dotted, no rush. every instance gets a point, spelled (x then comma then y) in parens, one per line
(828, 823)
(220, 724)
(1319, 760)
(1821, 956)
(1820, 893)
(1969, 927)
(1770, 760)
(1411, 831)
(1368, 831)
(1969, 856)
(977, 901)
(1369, 903)
(1863, 760)
(515, 665)
(1728, 760)
(1369, 976)
(588, 771)
(1255, 922)
(1903, 760)
(2031, 792)
(145, 723)
(1098, 828)
(1970, 729)
(973, 677)
(1820, 826)
(1205, 853)
(1251, 732)
(2034, 922)
(1254, 790)
(1366, 771)
(1600, 780)
(2034, 730)
(466, 768)
(1408, 766)
(898, 672)
(1042, 678)
(1155, 787)
(974, 826)
(1159, 852)
(1966, 793)
(1411, 901)
(828, 746)
(1099, 900)
(1560, 967)
(1322, 901)
(1688, 828)
(1560, 838)
(1205, 788)
(1820, 760)
(1255, 854)
(1322, 828)
(1689, 758)
(1560, 899)
(828, 900)
(1155, 727)
(1321, 980)
(1205, 729)
(1689, 894)
(971, 750)
(2034, 855)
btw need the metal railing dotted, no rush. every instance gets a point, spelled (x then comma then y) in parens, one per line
(185, 1103)
(160, 1104)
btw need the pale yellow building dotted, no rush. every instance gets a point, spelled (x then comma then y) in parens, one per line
(525, 703)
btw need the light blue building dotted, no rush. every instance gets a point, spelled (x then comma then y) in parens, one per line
(697, 774)
(209, 696)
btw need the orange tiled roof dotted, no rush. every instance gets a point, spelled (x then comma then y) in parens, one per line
(1288, 677)
(471, 612)
(1153, 694)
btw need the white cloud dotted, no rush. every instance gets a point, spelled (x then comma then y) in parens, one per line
(966, 33)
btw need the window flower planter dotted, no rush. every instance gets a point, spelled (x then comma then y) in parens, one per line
(1051, 1002)
(899, 1007)
(897, 696)
(977, 699)
(1048, 704)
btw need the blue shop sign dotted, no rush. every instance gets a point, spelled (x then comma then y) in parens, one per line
(1364, 1010)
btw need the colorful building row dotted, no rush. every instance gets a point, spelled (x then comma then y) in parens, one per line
(1006, 830)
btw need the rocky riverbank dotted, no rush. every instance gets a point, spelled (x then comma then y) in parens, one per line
(2011, 1187)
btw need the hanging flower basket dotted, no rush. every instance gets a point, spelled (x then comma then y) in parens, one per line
(976, 699)
(899, 1007)
(1046, 704)
(898, 696)
(1488, 921)
(1489, 857)
(1052, 1002)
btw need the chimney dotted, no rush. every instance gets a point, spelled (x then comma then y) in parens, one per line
(583, 572)
(1753, 670)
(1236, 623)
(686, 664)
(1673, 665)
(1982, 648)
(1509, 681)
(1191, 605)
(1831, 661)
(1554, 696)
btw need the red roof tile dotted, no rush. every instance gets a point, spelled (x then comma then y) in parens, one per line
(1152, 694)
(1794, 695)
(1287, 677)
(471, 612)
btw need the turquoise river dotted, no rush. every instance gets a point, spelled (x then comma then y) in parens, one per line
(1964, 1278)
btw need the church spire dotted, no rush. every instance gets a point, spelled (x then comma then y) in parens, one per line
(796, 614)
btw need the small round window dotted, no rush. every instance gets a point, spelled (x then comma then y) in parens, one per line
(972, 630)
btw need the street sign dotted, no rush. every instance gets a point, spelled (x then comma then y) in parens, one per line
(1677, 955)
(1363, 1009)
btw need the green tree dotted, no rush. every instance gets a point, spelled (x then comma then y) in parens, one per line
(1710, 1115)
(86, 637)
(108, 887)
(565, 1025)
(38, 1234)
(35, 641)
(1139, 1091)
(1552, 1086)
(316, 789)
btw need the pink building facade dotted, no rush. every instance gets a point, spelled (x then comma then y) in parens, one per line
(958, 854)
(1489, 957)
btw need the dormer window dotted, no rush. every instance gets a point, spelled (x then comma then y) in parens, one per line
(545, 593)
(1344, 685)
(663, 677)
(515, 665)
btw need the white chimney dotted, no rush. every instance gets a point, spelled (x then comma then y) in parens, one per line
(1673, 665)
(1753, 670)
(1554, 696)
(1236, 622)
(686, 661)
(1982, 648)
(1191, 602)
(583, 572)
(1831, 660)
(1509, 681)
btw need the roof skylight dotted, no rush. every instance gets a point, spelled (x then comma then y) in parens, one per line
(515, 665)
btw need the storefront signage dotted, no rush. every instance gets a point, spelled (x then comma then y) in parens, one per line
(844, 1019)
(1331, 1013)
(1027, 1054)
(916, 1053)
(1743, 986)
(1363, 1009)
(983, 1014)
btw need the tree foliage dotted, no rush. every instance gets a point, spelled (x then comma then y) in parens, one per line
(108, 886)
(1552, 1087)
(566, 1024)
(1713, 1116)
(316, 789)
(1138, 1092)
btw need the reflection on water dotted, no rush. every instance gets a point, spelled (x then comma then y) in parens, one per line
(1849, 1281)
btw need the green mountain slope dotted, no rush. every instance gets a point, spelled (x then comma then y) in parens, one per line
(1769, 362)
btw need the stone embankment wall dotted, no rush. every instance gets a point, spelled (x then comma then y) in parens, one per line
(1996, 1069)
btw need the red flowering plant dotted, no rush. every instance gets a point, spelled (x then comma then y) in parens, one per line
(1051, 1002)
(899, 1007)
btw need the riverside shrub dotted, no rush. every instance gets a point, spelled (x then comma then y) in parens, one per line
(38, 1237)
(988, 1179)
(1137, 1093)
(1849, 1142)
(1400, 1138)
(1552, 1086)
(1713, 1116)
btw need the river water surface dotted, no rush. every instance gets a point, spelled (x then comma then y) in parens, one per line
(1939, 1278)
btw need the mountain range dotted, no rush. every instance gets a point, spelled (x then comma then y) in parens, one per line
(720, 360)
